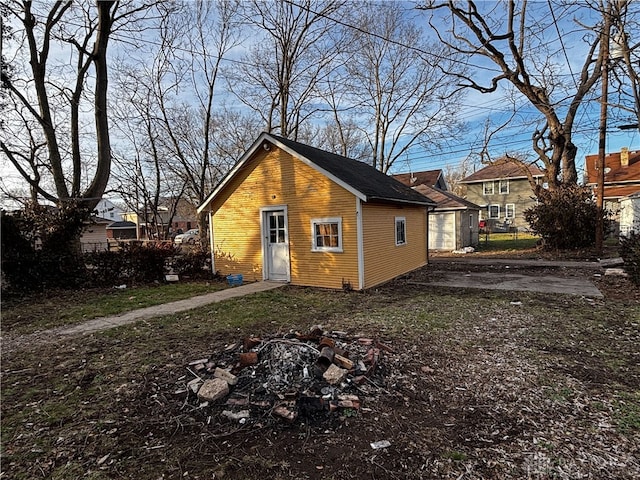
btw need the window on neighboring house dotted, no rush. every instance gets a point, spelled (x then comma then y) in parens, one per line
(326, 234)
(503, 186)
(510, 210)
(487, 188)
(401, 231)
(494, 211)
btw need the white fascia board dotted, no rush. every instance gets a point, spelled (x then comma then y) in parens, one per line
(447, 209)
(360, 243)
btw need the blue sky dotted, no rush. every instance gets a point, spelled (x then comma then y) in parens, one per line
(476, 109)
(566, 42)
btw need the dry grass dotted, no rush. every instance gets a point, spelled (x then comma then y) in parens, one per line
(476, 388)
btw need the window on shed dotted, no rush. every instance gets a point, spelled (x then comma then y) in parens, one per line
(326, 234)
(401, 230)
(494, 211)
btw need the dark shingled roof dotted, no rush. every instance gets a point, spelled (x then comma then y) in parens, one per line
(372, 183)
(501, 170)
(430, 178)
(121, 225)
(446, 200)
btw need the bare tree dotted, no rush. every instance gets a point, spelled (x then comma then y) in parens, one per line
(402, 98)
(235, 132)
(209, 30)
(49, 96)
(176, 83)
(453, 175)
(140, 175)
(279, 77)
(625, 63)
(514, 41)
(341, 133)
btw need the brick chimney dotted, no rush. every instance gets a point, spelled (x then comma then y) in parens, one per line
(624, 157)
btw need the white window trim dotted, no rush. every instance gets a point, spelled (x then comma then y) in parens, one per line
(489, 212)
(485, 189)
(500, 184)
(314, 222)
(513, 210)
(395, 224)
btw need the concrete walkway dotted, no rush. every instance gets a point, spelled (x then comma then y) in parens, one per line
(178, 306)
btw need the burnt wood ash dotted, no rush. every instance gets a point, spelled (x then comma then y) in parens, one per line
(310, 376)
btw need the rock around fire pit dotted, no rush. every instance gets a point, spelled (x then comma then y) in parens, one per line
(313, 375)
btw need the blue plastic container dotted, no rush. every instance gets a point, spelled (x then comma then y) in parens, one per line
(234, 280)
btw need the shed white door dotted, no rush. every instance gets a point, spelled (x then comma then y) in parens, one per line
(277, 245)
(442, 231)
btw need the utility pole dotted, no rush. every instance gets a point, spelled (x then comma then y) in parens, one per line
(602, 140)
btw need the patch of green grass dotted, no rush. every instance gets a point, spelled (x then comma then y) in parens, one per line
(627, 412)
(507, 241)
(55, 309)
(561, 395)
(455, 455)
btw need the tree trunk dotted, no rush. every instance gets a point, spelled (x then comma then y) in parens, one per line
(99, 184)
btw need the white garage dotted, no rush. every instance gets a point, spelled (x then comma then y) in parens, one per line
(442, 230)
(453, 224)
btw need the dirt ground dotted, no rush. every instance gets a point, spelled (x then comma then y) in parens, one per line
(477, 385)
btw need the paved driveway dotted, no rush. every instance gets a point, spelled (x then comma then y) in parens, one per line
(515, 282)
(486, 277)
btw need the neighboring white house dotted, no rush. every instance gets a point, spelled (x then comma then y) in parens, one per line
(630, 214)
(94, 234)
(108, 210)
(93, 237)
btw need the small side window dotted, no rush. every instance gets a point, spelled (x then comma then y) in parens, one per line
(401, 230)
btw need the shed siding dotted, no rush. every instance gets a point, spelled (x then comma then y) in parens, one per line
(275, 178)
(383, 260)
(467, 228)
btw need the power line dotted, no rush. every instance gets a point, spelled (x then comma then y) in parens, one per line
(477, 107)
(564, 50)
